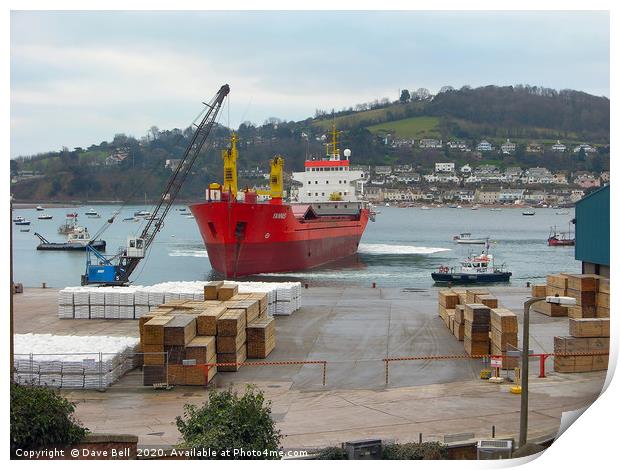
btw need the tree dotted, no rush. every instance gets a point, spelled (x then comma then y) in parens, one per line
(405, 96)
(228, 423)
(41, 417)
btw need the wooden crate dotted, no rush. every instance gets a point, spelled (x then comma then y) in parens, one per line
(462, 293)
(488, 300)
(598, 345)
(582, 282)
(583, 298)
(227, 291)
(602, 312)
(508, 363)
(261, 349)
(459, 312)
(153, 330)
(450, 319)
(195, 375)
(600, 362)
(230, 344)
(476, 348)
(261, 329)
(502, 339)
(459, 329)
(476, 331)
(477, 313)
(206, 321)
(470, 295)
(251, 308)
(175, 354)
(263, 301)
(539, 290)
(504, 320)
(153, 374)
(201, 348)
(570, 344)
(180, 330)
(154, 354)
(231, 323)
(588, 327)
(582, 312)
(175, 304)
(239, 356)
(551, 310)
(176, 374)
(602, 300)
(603, 285)
(559, 291)
(211, 289)
(557, 280)
(448, 299)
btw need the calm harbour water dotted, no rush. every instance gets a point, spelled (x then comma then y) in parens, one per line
(400, 249)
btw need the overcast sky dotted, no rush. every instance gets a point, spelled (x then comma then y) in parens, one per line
(78, 78)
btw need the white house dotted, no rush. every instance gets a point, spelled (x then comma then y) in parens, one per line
(430, 144)
(484, 146)
(446, 167)
(558, 147)
(587, 148)
(508, 147)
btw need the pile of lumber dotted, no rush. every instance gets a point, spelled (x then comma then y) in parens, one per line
(591, 292)
(586, 349)
(477, 325)
(181, 336)
(504, 335)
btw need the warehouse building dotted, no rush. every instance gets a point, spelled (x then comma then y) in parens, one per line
(592, 232)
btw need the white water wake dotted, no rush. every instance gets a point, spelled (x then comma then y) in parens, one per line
(190, 253)
(384, 249)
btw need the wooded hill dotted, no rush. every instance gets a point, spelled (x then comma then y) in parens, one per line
(521, 113)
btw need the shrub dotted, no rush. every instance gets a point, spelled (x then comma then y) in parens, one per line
(41, 417)
(228, 423)
(415, 451)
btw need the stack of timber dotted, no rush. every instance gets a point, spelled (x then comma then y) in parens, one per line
(181, 339)
(591, 292)
(586, 349)
(476, 332)
(447, 303)
(504, 335)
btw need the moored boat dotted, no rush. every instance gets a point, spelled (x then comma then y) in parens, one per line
(529, 212)
(45, 217)
(91, 211)
(465, 238)
(560, 238)
(39, 208)
(478, 269)
(77, 239)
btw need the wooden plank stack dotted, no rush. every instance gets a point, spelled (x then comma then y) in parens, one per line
(504, 335)
(181, 336)
(447, 302)
(476, 332)
(589, 340)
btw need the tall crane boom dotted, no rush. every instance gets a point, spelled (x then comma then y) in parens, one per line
(104, 272)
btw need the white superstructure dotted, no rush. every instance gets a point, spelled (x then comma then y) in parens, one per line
(329, 178)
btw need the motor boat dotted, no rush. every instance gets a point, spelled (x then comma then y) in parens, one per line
(478, 269)
(466, 239)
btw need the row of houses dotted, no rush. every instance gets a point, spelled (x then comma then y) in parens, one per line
(506, 148)
(499, 196)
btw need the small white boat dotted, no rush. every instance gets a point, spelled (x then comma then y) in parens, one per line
(425, 208)
(466, 239)
(562, 213)
(529, 212)
(44, 217)
(475, 208)
(91, 211)
(387, 204)
(39, 208)
(496, 209)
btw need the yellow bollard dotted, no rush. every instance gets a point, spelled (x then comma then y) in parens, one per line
(517, 388)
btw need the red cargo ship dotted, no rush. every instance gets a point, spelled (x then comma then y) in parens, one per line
(325, 221)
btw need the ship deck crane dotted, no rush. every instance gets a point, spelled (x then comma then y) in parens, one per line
(115, 270)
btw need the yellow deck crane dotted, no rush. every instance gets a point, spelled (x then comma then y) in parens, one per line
(229, 156)
(276, 183)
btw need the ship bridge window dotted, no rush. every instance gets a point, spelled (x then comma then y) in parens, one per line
(326, 181)
(322, 194)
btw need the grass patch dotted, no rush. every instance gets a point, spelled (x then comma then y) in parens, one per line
(410, 128)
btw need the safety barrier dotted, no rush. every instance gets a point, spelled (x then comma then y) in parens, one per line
(542, 356)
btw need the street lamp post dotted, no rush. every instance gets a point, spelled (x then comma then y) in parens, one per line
(525, 357)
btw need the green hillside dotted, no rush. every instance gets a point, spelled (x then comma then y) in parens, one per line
(410, 128)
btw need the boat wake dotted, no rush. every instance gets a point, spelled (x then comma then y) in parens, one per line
(190, 253)
(384, 249)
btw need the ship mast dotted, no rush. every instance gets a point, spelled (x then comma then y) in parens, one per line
(230, 167)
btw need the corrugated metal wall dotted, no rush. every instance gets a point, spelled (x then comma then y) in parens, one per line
(592, 228)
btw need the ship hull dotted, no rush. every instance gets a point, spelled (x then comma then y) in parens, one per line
(252, 238)
(473, 278)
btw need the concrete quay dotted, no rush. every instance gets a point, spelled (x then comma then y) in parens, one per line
(353, 329)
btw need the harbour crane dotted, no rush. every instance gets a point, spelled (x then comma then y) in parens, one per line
(115, 270)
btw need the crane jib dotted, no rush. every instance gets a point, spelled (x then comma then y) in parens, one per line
(134, 253)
